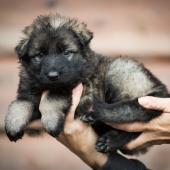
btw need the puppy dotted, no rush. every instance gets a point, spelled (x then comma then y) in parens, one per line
(55, 56)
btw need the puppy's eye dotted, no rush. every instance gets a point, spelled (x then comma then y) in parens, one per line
(38, 57)
(69, 54)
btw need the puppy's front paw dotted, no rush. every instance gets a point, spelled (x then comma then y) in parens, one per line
(53, 122)
(52, 116)
(90, 117)
(14, 135)
(16, 119)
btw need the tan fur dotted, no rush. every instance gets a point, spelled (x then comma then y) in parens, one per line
(51, 110)
(19, 114)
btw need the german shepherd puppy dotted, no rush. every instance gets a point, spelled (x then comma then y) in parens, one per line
(55, 56)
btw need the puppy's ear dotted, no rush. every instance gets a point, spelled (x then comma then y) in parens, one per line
(80, 29)
(22, 47)
(82, 32)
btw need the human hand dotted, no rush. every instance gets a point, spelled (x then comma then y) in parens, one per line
(79, 137)
(153, 132)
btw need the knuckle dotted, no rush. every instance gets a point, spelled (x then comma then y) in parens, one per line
(71, 129)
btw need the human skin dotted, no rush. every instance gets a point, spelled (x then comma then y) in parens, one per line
(79, 137)
(157, 130)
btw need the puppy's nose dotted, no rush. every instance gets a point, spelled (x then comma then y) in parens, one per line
(53, 75)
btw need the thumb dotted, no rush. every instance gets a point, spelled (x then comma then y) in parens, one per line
(76, 95)
(156, 103)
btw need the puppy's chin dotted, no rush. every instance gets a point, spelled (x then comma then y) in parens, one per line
(68, 81)
(57, 85)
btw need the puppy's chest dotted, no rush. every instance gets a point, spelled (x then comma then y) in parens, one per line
(90, 91)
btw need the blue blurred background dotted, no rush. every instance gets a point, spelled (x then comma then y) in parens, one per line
(139, 28)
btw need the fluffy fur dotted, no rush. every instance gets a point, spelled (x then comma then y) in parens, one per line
(55, 56)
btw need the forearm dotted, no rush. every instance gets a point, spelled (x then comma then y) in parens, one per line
(100, 161)
(95, 160)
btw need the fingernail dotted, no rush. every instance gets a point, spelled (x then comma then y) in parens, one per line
(143, 101)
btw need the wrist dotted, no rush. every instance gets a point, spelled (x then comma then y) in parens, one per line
(99, 161)
(95, 160)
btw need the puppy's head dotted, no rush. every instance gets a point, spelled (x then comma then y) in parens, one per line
(55, 50)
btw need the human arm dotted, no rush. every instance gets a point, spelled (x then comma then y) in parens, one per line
(80, 138)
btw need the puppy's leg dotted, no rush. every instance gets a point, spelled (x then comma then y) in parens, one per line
(52, 110)
(127, 111)
(18, 115)
(20, 111)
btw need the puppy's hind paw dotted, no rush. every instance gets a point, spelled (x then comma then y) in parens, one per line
(104, 145)
(113, 140)
(88, 118)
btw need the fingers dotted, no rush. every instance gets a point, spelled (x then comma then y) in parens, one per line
(76, 95)
(131, 127)
(147, 137)
(156, 103)
(149, 102)
(140, 141)
(44, 95)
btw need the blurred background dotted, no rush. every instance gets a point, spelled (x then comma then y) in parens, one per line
(139, 28)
